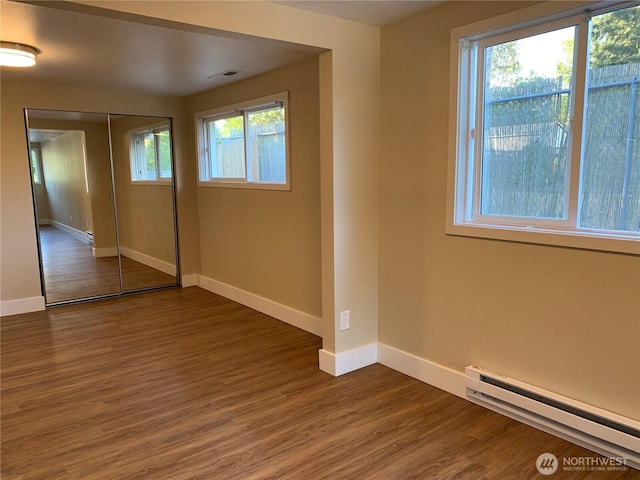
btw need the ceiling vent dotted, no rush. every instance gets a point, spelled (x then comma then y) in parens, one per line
(226, 73)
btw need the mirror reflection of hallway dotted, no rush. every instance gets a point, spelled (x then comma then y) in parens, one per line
(96, 238)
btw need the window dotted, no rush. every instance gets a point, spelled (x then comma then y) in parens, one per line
(150, 152)
(245, 145)
(547, 146)
(35, 164)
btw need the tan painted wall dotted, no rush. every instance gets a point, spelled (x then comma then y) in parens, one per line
(563, 319)
(18, 256)
(268, 242)
(145, 212)
(64, 166)
(42, 204)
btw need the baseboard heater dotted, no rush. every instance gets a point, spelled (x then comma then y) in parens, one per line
(598, 430)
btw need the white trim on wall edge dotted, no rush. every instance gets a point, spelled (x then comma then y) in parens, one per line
(21, 305)
(104, 252)
(349, 360)
(190, 280)
(436, 375)
(148, 260)
(277, 310)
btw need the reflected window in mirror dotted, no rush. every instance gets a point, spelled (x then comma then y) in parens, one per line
(150, 153)
(36, 167)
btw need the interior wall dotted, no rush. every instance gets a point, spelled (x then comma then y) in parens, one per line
(64, 165)
(562, 319)
(267, 242)
(96, 138)
(20, 276)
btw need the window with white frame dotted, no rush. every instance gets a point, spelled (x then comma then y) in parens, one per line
(548, 131)
(150, 154)
(245, 145)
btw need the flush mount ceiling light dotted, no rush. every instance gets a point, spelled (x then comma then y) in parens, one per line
(17, 55)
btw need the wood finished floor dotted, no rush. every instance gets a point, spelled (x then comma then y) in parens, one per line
(71, 271)
(184, 384)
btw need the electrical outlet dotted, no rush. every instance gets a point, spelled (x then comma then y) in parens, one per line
(345, 320)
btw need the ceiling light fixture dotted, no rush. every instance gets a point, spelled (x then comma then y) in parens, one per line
(17, 55)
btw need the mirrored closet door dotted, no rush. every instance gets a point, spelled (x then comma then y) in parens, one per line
(104, 197)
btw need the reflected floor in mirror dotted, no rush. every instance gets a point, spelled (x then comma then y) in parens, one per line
(72, 272)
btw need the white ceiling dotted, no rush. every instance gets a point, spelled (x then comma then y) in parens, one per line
(370, 12)
(85, 50)
(88, 50)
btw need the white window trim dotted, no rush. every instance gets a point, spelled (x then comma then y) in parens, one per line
(159, 180)
(460, 150)
(228, 110)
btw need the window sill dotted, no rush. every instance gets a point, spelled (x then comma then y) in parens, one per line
(165, 182)
(586, 240)
(245, 185)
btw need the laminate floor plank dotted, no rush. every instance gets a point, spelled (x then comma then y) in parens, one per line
(184, 384)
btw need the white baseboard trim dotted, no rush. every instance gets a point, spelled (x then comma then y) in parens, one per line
(436, 375)
(349, 360)
(104, 252)
(79, 234)
(21, 305)
(439, 376)
(277, 310)
(148, 260)
(190, 280)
